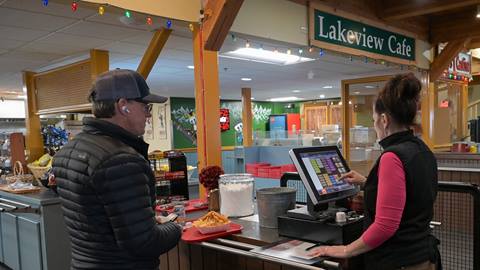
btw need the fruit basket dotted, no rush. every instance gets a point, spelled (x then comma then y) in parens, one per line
(38, 171)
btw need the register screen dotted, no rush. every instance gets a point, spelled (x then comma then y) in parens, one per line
(325, 168)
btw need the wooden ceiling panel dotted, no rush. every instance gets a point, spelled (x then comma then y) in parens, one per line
(397, 10)
(455, 26)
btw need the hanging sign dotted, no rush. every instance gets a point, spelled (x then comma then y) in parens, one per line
(461, 65)
(354, 37)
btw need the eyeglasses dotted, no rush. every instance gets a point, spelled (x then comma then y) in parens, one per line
(147, 107)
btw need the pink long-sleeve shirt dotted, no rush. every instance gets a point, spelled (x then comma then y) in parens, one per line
(391, 198)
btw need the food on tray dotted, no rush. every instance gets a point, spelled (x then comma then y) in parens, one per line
(211, 219)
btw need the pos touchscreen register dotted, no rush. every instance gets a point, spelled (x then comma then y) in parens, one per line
(320, 169)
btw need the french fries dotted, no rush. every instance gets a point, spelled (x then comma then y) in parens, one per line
(211, 219)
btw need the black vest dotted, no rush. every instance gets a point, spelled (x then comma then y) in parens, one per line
(412, 243)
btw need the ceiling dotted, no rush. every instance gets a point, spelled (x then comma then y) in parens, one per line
(38, 38)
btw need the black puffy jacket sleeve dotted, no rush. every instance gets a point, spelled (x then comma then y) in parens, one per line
(122, 184)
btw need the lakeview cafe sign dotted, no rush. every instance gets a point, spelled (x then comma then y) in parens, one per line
(363, 39)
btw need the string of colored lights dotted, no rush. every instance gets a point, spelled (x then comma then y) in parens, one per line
(289, 50)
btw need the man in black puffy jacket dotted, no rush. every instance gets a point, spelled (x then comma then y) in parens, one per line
(106, 184)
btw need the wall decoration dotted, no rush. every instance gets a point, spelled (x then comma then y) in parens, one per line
(162, 121)
(149, 130)
(224, 119)
(185, 127)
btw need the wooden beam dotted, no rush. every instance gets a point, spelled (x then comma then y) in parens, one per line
(398, 10)
(474, 43)
(99, 63)
(34, 139)
(207, 105)
(247, 116)
(454, 26)
(219, 17)
(441, 62)
(153, 51)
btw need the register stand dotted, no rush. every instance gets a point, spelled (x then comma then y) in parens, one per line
(317, 223)
(319, 169)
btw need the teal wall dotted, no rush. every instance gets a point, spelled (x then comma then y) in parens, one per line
(183, 115)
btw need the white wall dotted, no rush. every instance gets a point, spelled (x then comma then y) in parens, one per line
(287, 21)
(10, 108)
(157, 143)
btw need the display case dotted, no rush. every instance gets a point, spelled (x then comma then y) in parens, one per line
(330, 135)
(171, 175)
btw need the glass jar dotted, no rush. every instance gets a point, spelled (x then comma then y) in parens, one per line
(236, 194)
(179, 209)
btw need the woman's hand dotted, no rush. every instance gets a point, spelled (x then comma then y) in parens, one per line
(354, 177)
(330, 251)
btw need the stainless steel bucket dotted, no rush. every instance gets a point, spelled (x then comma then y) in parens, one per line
(274, 202)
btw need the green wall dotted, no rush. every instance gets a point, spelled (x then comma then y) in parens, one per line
(183, 114)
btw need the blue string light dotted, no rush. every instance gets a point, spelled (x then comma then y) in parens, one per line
(320, 52)
(45, 2)
(169, 24)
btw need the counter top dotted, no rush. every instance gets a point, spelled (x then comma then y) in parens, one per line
(458, 169)
(43, 197)
(253, 234)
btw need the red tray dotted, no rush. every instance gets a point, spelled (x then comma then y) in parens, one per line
(193, 235)
(190, 207)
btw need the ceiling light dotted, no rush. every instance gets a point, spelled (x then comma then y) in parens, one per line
(265, 56)
(478, 12)
(322, 96)
(280, 99)
(190, 67)
(370, 86)
(252, 98)
(327, 87)
(356, 92)
(296, 91)
(22, 96)
(246, 79)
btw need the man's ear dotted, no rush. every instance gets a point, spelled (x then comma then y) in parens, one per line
(121, 107)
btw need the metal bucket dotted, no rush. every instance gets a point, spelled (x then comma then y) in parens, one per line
(274, 202)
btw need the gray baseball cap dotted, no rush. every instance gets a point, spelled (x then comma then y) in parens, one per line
(123, 83)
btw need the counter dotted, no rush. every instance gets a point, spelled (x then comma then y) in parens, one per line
(232, 253)
(36, 239)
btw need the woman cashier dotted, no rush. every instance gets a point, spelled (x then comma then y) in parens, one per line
(399, 191)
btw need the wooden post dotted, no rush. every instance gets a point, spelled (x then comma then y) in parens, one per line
(431, 114)
(427, 110)
(247, 116)
(17, 149)
(346, 120)
(153, 51)
(34, 139)
(207, 105)
(99, 63)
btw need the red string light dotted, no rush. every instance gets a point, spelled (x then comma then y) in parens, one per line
(149, 21)
(74, 6)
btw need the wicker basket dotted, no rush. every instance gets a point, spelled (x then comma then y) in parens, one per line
(19, 174)
(38, 171)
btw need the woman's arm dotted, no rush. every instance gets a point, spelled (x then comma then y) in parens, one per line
(391, 198)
